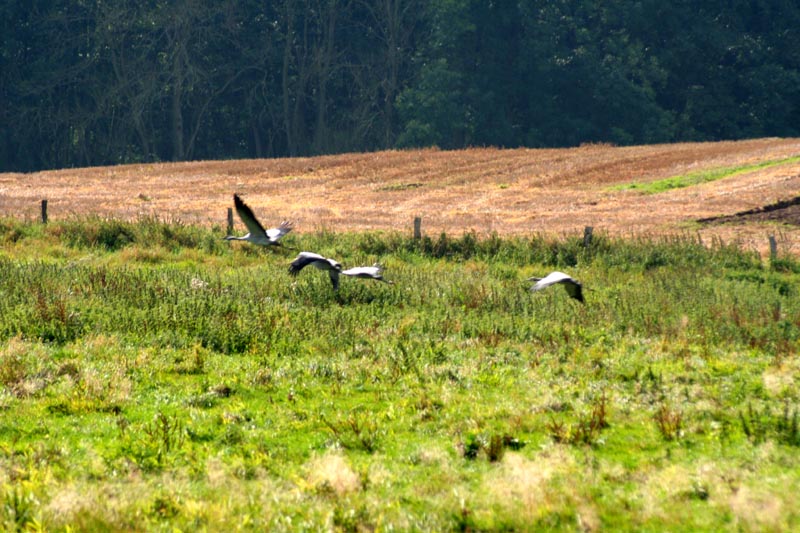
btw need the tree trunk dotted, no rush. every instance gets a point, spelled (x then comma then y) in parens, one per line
(176, 113)
(285, 82)
(325, 53)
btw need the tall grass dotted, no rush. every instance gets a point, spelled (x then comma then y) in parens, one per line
(148, 367)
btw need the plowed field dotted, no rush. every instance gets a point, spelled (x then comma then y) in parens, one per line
(521, 191)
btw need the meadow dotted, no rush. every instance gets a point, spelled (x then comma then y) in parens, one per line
(157, 378)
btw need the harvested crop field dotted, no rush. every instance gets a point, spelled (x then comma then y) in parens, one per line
(519, 191)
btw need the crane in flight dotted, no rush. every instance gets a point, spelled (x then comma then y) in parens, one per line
(305, 259)
(574, 288)
(371, 272)
(256, 232)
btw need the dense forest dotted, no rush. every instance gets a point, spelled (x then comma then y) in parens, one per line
(88, 82)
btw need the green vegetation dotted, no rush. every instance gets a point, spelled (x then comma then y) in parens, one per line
(400, 187)
(701, 176)
(156, 377)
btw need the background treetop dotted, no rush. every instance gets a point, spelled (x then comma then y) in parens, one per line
(87, 83)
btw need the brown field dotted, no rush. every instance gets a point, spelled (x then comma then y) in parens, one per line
(521, 191)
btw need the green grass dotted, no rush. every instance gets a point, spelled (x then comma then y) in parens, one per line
(156, 377)
(700, 176)
(401, 187)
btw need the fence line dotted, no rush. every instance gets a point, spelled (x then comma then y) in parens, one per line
(588, 231)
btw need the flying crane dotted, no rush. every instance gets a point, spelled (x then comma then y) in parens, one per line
(305, 259)
(256, 232)
(574, 288)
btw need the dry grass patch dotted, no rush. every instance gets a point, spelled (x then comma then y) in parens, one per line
(530, 488)
(760, 510)
(23, 367)
(332, 472)
(520, 191)
(781, 380)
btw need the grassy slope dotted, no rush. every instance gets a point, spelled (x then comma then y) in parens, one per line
(188, 383)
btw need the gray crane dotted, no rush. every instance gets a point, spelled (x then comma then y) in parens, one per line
(256, 232)
(574, 288)
(305, 259)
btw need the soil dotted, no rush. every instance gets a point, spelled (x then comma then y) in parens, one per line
(783, 212)
(510, 192)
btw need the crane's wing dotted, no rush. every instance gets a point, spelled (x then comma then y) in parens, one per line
(248, 218)
(550, 279)
(275, 234)
(334, 274)
(574, 289)
(375, 272)
(363, 272)
(302, 260)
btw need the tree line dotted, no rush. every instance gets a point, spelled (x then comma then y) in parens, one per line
(89, 82)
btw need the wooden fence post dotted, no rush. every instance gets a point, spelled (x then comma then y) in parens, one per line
(230, 220)
(773, 249)
(417, 227)
(587, 236)
(44, 211)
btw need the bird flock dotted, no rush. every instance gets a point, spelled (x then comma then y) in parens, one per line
(256, 234)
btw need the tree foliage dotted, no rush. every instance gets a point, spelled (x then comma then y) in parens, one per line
(89, 82)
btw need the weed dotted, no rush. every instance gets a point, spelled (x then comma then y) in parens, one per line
(12, 369)
(195, 363)
(54, 322)
(761, 425)
(698, 491)
(492, 446)
(464, 520)
(105, 233)
(586, 429)
(18, 509)
(233, 435)
(495, 449)
(786, 427)
(473, 446)
(558, 430)
(403, 361)
(164, 507)
(755, 424)
(669, 422)
(153, 445)
(427, 407)
(167, 433)
(203, 400)
(785, 265)
(357, 431)
(352, 520)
